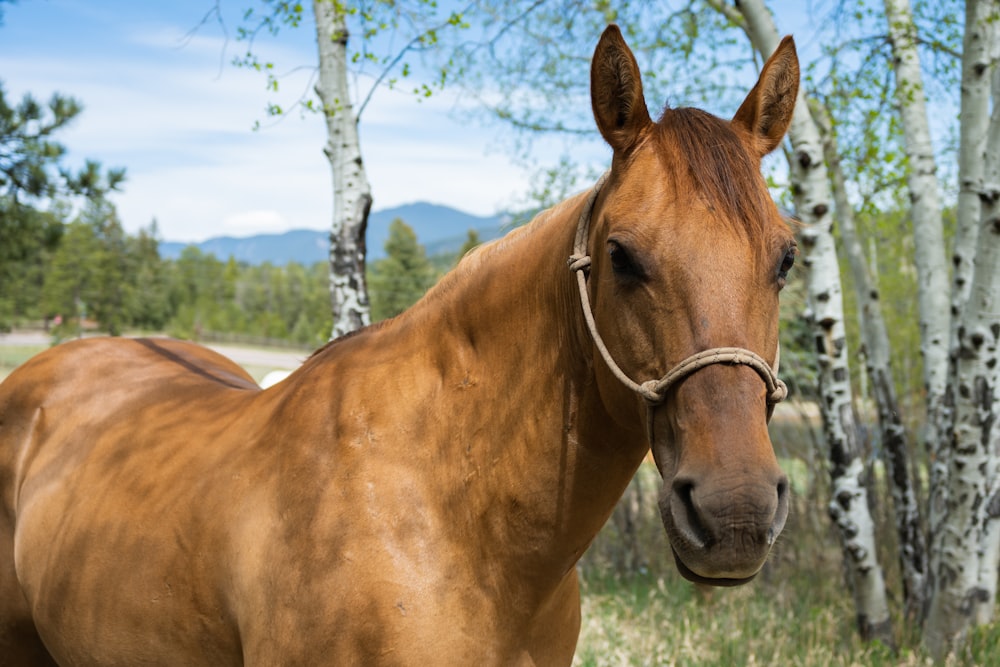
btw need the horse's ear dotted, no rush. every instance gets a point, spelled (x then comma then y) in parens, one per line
(616, 91)
(767, 110)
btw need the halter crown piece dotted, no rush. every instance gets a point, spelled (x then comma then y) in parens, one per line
(655, 391)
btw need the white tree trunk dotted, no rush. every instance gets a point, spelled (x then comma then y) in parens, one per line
(974, 120)
(875, 338)
(965, 538)
(974, 123)
(810, 187)
(352, 198)
(986, 14)
(928, 231)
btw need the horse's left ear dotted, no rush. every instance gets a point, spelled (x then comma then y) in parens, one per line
(767, 110)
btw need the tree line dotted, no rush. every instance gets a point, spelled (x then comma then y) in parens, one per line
(96, 277)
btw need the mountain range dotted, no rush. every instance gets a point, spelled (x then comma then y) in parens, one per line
(440, 229)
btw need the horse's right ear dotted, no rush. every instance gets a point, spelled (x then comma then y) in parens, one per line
(616, 91)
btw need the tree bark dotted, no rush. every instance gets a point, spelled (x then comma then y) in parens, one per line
(811, 192)
(875, 338)
(928, 231)
(985, 14)
(352, 197)
(966, 535)
(974, 119)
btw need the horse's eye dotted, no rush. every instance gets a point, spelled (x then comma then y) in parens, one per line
(786, 265)
(621, 261)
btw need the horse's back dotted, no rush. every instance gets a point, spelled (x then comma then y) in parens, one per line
(106, 448)
(107, 392)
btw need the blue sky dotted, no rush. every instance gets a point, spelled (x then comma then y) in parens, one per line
(178, 116)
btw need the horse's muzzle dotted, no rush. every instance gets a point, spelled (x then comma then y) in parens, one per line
(721, 534)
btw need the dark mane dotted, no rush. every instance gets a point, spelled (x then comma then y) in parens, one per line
(718, 164)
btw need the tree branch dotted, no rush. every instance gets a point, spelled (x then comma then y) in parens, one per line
(410, 46)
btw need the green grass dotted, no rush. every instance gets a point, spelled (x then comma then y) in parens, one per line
(663, 620)
(805, 619)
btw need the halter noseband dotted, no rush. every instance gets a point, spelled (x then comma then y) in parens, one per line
(655, 391)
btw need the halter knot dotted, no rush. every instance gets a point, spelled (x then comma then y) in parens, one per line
(578, 262)
(780, 392)
(648, 390)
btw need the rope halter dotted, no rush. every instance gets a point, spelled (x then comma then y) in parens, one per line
(655, 391)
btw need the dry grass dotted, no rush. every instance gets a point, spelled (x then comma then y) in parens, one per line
(802, 621)
(647, 620)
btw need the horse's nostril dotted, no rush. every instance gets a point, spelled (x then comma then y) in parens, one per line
(687, 518)
(781, 511)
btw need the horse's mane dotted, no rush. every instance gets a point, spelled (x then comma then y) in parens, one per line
(718, 164)
(481, 255)
(347, 336)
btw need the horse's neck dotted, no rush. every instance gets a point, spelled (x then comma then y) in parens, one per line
(530, 430)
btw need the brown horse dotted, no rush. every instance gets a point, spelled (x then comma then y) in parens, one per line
(418, 493)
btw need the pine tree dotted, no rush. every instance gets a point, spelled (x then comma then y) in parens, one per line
(151, 279)
(30, 173)
(112, 296)
(403, 276)
(69, 278)
(471, 241)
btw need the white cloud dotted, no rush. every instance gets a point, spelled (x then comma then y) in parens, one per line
(181, 126)
(254, 222)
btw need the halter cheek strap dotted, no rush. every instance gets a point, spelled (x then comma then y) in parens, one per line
(655, 391)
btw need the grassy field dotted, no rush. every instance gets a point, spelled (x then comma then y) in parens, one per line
(798, 612)
(802, 619)
(649, 620)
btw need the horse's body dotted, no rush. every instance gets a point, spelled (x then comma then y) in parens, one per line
(419, 492)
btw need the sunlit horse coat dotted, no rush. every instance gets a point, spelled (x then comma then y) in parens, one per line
(419, 493)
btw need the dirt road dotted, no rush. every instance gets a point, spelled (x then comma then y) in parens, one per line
(257, 361)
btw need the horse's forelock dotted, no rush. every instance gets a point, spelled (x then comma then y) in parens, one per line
(719, 165)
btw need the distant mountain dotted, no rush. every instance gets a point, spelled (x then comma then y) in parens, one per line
(298, 245)
(440, 229)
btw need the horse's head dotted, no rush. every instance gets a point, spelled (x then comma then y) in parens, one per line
(689, 253)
